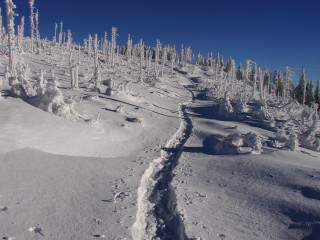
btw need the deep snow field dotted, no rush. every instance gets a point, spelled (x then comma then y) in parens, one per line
(133, 166)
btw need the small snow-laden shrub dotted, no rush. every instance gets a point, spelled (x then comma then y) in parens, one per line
(225, 109)
(150, 81)
(309, 139)
(292, 143)
(240, 107)
(262, 114)
(253, 141)
(124, 87)
(52, 101)
(311, 143)
(40, 86)
(20, 88)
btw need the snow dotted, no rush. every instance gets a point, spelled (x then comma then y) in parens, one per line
(150, 159)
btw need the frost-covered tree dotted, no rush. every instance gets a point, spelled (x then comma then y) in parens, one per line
(267, 80)
(36, 17)
(96, 63)
(1, 37)
(60, 33)
(31, 3)
(20, 64)
(231, 73)
(129, 47)
(54, 40)
(69, 41)
(141, 54)
(182, 56)
(260, 82)
(74, 76)
(172, 58)
(164, 59)
(254, 79)
(300, 90)
(288, 73)
(20, 34)
(10, 6)
(278, 83)
(113, 44)
(317, 94)
(247, 72)
(240, 72)
(156, 58)
(89, 45)
(217, 66)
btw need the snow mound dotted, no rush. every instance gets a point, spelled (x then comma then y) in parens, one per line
(233, 144)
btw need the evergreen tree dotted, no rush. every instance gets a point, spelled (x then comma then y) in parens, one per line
(288, 73)
(309, 93)
(300, 90)
(240, 72)
(267, 79)
(317, 94)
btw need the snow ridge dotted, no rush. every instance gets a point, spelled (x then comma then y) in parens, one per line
(157, 216)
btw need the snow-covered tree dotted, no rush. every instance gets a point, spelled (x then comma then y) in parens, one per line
(54, 40)
(60, 33)
(240, 72)
(267, 80)
(96, 63)
(36, 17)
(260, 82)
(300, 90)
(113, 44)
(141, 54)
(89, 45)
(69, 41)
(317, 94)
(254, 79)
(10, 6)
(288, 73)
(247, 72)
(182, 56)
(156, 58)
(31, 3)
(173, 58)
(309, 93)
(20, 34)
(1, 37)
(129, 47)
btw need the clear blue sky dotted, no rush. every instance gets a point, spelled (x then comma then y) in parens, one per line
(273, 32)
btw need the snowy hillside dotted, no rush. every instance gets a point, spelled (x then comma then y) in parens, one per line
(103, 142)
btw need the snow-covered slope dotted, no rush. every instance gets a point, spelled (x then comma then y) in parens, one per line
(132, 165)
(274, 195)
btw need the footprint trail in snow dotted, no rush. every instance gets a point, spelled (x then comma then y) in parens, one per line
(157, 215)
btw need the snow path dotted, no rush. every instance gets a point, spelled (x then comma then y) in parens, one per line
(157, 215)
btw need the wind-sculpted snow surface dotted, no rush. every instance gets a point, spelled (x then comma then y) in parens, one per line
(157, 215)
